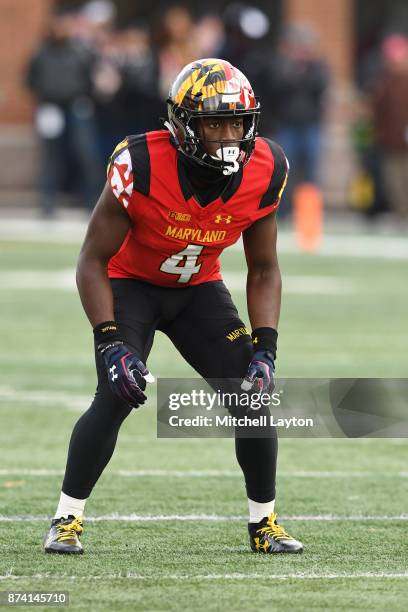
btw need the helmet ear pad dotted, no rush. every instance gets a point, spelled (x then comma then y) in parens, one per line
(251, 123)
(179, 120)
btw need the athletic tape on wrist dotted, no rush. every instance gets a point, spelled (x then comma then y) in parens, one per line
(265, 339)
(106, 332)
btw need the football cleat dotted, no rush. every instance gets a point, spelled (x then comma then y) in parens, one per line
(269, 537)
(63, 536)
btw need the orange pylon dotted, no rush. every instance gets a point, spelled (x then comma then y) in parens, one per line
(308, 216)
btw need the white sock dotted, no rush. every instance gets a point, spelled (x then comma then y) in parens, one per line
(258, 511)
(70, 505)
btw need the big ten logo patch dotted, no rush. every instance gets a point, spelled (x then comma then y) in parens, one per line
(178, 216)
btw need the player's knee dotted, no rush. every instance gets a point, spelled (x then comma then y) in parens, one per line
(108, 405)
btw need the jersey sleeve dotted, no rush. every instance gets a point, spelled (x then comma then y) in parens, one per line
(268, 201)
(272, 196)
(128, 171)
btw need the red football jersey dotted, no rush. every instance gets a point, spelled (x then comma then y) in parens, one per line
(173, 240)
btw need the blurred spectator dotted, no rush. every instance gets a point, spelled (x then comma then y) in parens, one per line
(297, 82)
(60, 76)
(390, 107)
(142, 102)
(94, 23)
(368, 67)
(126, 87)
(209, 36)
(245, 47)
(107, 83)
(176, 45)
(97, 17)
(367, 187)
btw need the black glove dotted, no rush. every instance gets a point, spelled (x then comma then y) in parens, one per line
(260, 376)
(261, 373)
(127, 374)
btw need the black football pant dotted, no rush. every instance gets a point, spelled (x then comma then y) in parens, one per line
(197, 320)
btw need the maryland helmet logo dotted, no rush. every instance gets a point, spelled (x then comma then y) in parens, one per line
(212, 85)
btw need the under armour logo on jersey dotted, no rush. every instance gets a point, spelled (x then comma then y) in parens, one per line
(112, 373)
(220, 218)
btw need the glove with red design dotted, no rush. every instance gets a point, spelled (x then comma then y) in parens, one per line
(127, 374)
(260, 376)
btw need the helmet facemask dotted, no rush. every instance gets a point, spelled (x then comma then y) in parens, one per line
(231, 154)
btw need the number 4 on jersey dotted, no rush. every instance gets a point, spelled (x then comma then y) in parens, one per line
(174, 263)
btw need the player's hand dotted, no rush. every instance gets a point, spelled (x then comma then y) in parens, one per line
(260, 377)
(127, 375)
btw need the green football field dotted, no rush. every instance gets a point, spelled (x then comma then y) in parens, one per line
(166, 526)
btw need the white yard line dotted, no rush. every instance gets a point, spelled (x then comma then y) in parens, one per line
(208, 577)
(362, 245)
(55, 280)
(152, 473)
(64, 280)
(57, 398)
(349, 245)
(212, 518)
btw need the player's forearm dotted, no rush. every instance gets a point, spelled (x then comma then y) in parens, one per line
(264, 288)
(95, 290)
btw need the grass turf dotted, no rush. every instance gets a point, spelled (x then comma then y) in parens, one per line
(47, 377)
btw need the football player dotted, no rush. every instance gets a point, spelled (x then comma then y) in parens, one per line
(174, 199)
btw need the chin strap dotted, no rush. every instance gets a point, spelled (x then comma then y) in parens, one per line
(171, 129)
